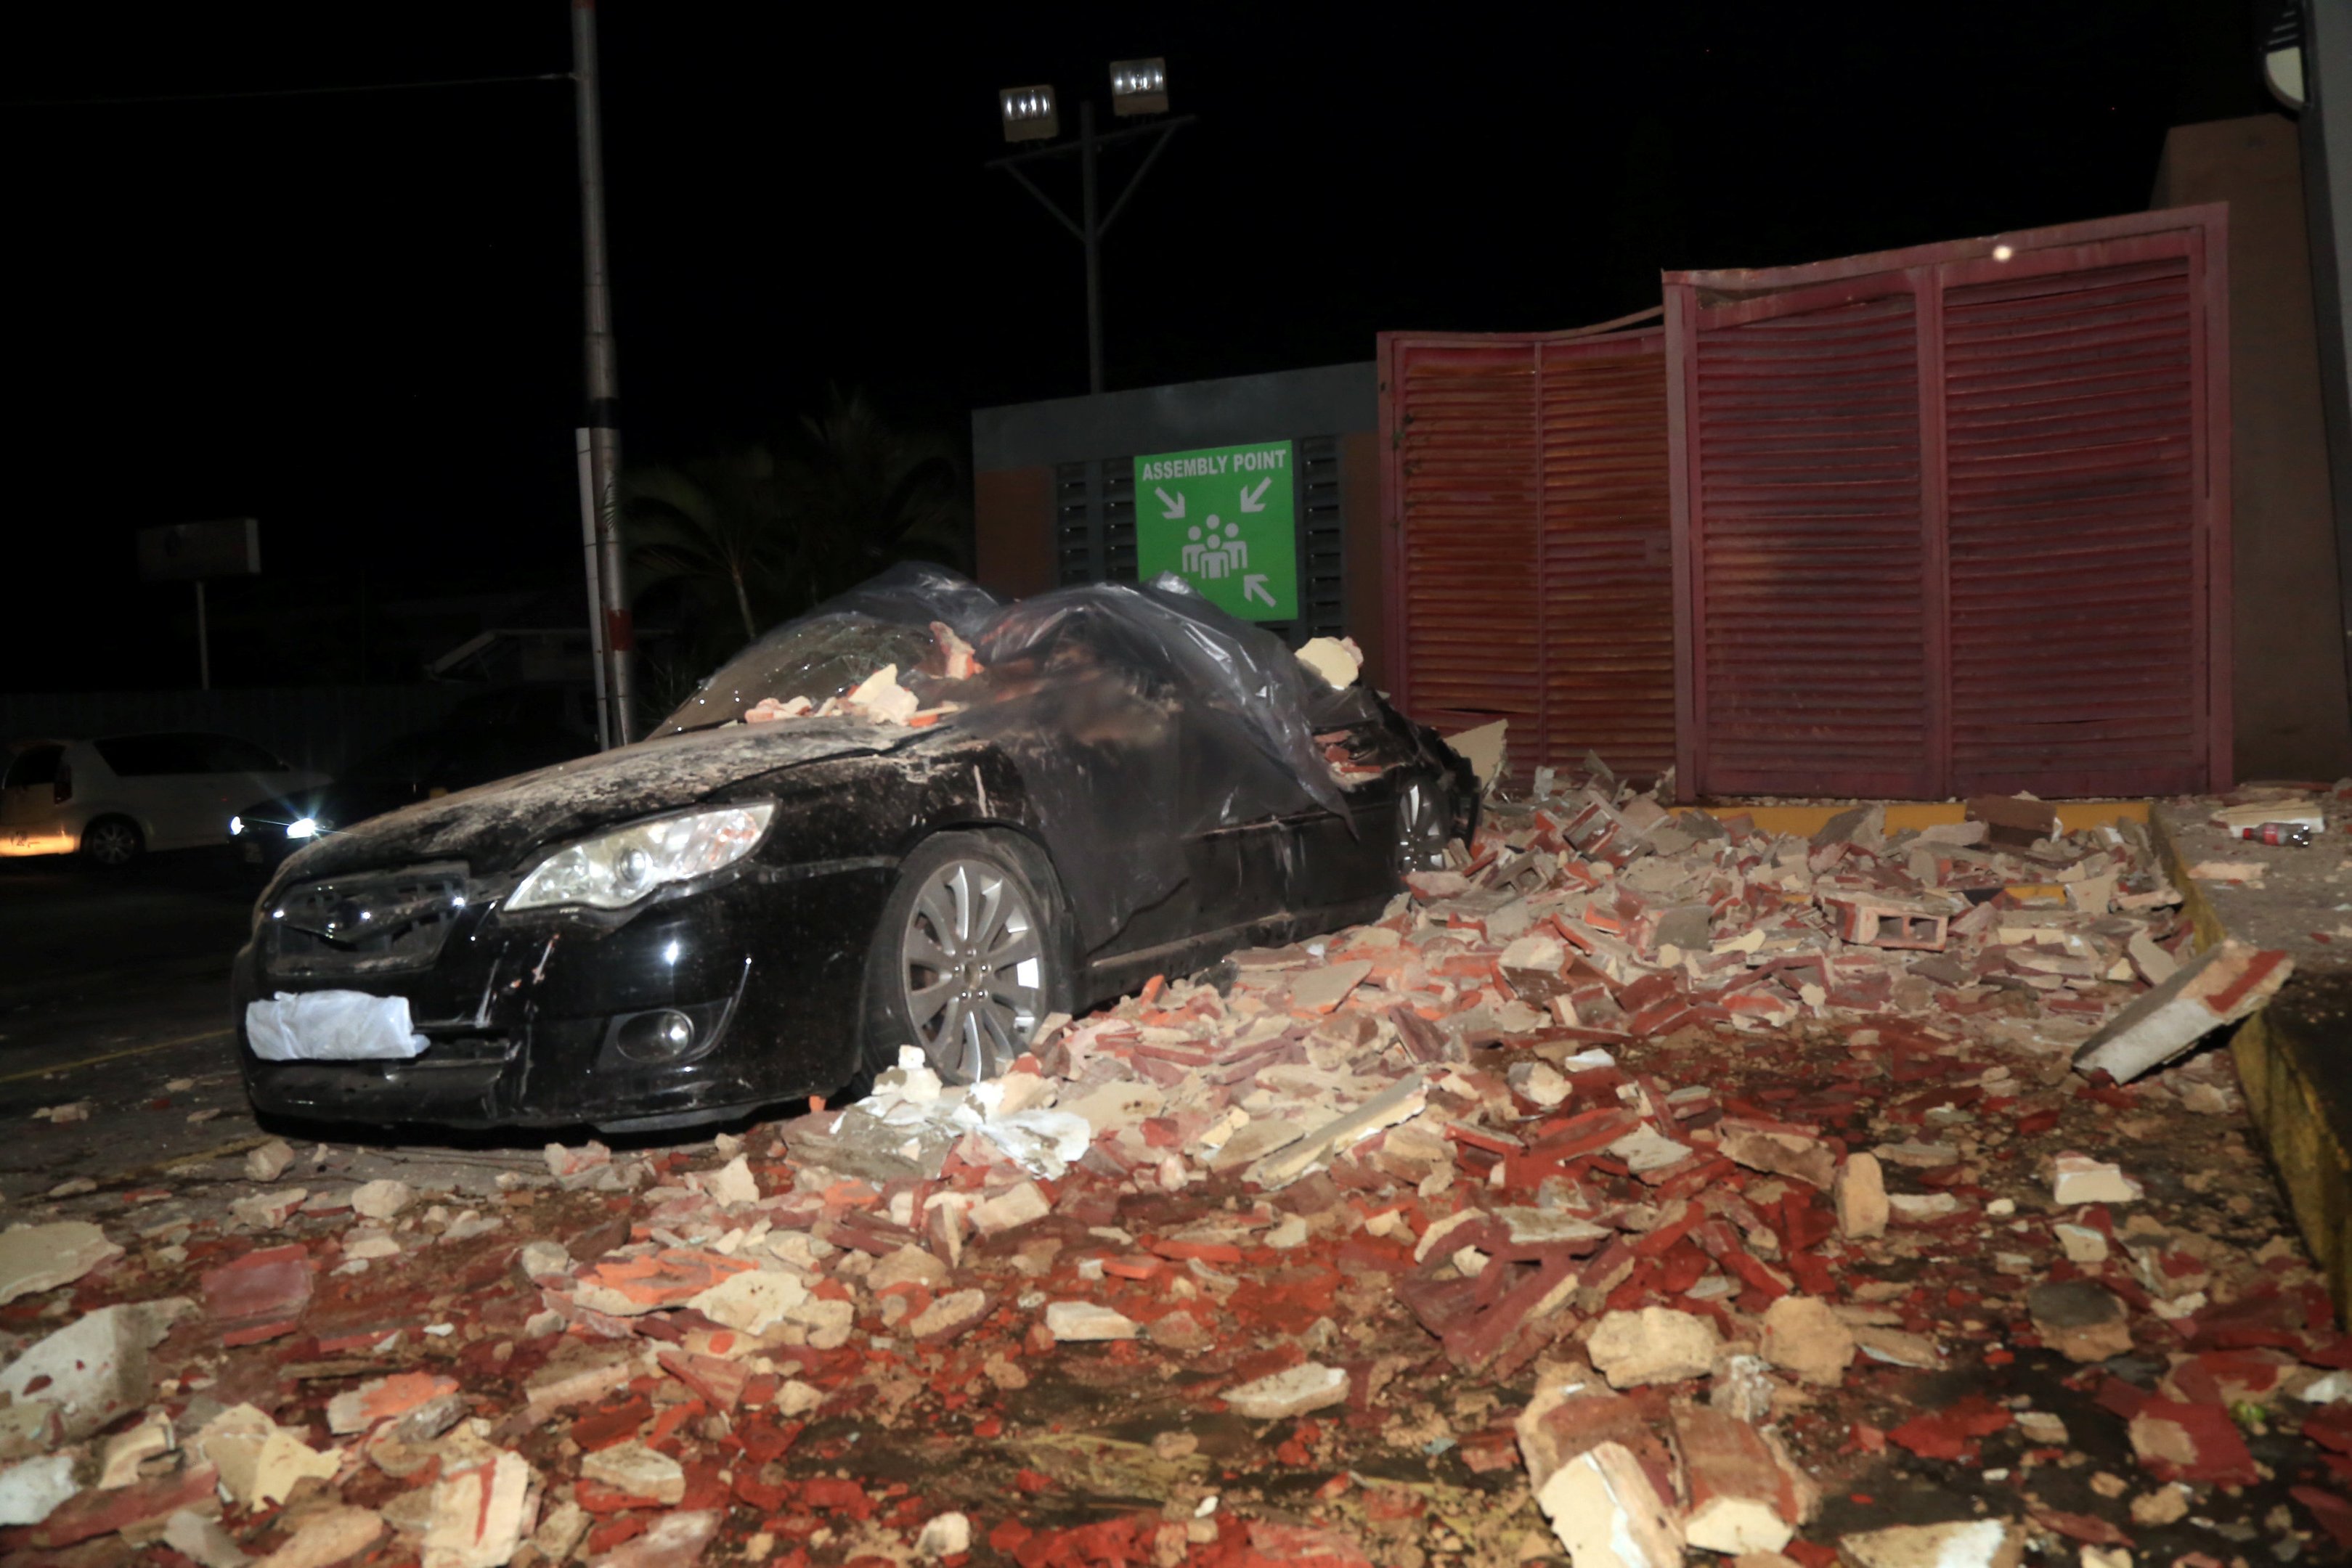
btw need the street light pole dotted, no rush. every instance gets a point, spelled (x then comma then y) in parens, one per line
(1089, 207)
(612, 640)
(1092, 222)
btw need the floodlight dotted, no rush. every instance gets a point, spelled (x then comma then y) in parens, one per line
(1029, 114)
(2282, 72)
(1138, 87)
(2278, 38)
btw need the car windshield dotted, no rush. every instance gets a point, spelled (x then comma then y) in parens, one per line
(1061, 668)
(825, 656)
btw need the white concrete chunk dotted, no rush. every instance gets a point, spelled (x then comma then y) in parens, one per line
(1082, 1320)
(1656, 1344)
(35, 1258)
(1295, 1391)
(32, 1490)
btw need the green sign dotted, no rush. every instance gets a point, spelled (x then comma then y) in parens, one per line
(1221, 518)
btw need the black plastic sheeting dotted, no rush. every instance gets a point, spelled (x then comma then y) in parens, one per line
(1140, 715)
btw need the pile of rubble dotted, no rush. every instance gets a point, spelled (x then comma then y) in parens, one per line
(1641, 1186)
(879, 698)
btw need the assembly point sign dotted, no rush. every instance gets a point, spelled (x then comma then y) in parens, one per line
(1221, 518)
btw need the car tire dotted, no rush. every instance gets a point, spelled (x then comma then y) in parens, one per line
(974, 951)
(112, 843)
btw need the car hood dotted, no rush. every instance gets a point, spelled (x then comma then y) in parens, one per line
(491, 826)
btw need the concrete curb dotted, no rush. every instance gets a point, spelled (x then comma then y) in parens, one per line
(2294, 1059)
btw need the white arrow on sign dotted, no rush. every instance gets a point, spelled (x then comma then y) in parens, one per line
(1175, 505)
(1254, 500)
(1255, 584)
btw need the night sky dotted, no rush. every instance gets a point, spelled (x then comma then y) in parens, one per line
(357, 317)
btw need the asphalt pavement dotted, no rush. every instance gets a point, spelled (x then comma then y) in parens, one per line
(114, 997)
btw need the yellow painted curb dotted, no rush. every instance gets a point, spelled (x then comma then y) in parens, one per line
(1806, 818)
(2193, 902)
(2308, 1150)
(2307, 1146)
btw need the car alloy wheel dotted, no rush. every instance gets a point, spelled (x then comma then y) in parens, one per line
(1424, 820)
(972, 968)
(112, 842)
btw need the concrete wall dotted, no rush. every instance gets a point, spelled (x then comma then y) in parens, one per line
(1017, 448)
(1329, 400)
(2288, 658)
(1012, 530)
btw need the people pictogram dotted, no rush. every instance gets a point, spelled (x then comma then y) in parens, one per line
(1220, 554)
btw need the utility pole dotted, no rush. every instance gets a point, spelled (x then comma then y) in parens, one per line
(612, 640)
(590, 550)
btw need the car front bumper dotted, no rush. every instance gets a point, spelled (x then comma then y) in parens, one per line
(525, 1014)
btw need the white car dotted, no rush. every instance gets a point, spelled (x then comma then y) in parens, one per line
(114, 800)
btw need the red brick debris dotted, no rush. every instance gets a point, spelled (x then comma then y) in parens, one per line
(1639, 1189)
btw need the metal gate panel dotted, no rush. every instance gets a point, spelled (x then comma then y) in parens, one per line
(1606, 570)
(1808, 561)
(2071, 416)
(1463, 492)
(1956, 517)
(1529, 542)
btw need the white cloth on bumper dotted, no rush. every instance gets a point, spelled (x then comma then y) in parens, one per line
(331, 1026)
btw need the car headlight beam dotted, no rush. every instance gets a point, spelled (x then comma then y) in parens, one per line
(615, 869)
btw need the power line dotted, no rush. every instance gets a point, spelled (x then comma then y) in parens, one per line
(275, 93)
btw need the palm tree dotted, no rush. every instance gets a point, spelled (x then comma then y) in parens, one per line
(863, 493)
(714, 528)
(752, 534)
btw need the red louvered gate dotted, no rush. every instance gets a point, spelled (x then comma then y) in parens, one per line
(1957, 519)
(1529, 548)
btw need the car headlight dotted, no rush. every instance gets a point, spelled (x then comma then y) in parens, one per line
(303, 828)
(236, 826)
(618, 868)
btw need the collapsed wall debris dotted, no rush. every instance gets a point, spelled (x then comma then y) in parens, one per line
(1682, 1169)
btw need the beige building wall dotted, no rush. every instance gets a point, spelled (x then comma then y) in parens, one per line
(2289, 685)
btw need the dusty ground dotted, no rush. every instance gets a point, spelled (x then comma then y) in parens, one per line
(2299, 900)
(914, 1374)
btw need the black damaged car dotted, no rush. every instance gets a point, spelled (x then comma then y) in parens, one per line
(1092, 786)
